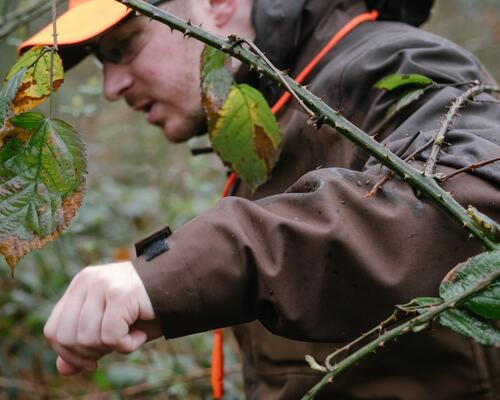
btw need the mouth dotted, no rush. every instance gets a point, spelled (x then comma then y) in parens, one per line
(144, 107)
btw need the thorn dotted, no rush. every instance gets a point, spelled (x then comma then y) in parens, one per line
(406, 177)
(471, 236)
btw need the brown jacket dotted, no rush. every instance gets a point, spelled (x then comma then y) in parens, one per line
(308, 256)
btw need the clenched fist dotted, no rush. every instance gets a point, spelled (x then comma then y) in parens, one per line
(105, 308)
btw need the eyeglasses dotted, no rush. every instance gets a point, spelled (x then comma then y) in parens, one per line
(125, 47)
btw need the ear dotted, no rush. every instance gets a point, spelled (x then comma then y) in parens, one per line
(223, 11)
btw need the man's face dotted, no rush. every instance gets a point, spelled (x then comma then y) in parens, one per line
(158, 75)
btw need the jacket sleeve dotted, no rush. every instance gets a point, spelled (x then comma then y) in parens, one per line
(323, 262)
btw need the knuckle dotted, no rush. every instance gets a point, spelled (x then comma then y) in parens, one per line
(63, 340)
(86, 340)
(109, 341)
(114, 292)
(47, 330)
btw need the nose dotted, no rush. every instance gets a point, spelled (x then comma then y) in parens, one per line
(117, 79)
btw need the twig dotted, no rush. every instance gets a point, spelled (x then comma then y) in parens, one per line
(27, 386)
(468, 168)
(326, 115)
(378, 328)
(389, 175)
(201, 150)
(52, 56)
(400, 330)
(446, 124)
(238, 40)
(18, 18)
(145, 388)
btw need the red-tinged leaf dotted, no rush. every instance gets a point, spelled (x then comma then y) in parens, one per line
(41, 185)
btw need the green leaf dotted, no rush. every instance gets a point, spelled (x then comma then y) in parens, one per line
(468, 325)
(463, 322)
(35, 86)
(246, 135)
(395, 81)
(243, 130)
(404, 102)
(212, 60)
(30, 121)
(427, 301)
(466, 275)
(41, 185)
(8, 94)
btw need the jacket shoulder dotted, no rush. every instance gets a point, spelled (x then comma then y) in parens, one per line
(378, 49)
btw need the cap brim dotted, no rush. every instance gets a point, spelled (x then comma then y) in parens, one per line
(77, 26)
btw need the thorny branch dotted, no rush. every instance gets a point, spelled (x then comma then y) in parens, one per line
(424, 184)
(446, 124)
(237, 41)
(413, 325)
(389, 175)
(325, 115)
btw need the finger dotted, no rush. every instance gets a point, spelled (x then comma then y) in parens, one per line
(119, 315)
(90, 321)
(74, 359)
(66, 368)
(51, 325)
(67, 326)
(82, 352)
(132, 341)
(49, 329)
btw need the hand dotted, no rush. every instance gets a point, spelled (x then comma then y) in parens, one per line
(105, 308)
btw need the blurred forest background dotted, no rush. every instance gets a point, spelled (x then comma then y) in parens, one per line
(137, 182)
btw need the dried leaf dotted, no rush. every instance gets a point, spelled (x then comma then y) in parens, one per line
(246, 135)
(466, 275)
(395, 81)
(41, 185)
(35, 85)
(243, 130)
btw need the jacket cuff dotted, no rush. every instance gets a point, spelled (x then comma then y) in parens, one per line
(171, 289)
(193, 288)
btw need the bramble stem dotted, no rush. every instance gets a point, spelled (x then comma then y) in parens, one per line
(326, 115)
(400, 330)
(446, 124)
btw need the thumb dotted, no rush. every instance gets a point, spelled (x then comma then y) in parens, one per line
(68, 369)
(132, 341)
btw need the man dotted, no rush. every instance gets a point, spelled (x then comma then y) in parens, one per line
(307, 256)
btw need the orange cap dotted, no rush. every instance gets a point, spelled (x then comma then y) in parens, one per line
(83, 21)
